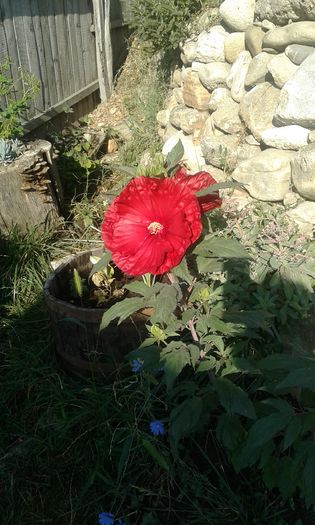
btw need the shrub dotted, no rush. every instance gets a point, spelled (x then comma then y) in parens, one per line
(163, 23)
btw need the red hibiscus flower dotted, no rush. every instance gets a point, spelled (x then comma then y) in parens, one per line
(152, 222)
(197, 182)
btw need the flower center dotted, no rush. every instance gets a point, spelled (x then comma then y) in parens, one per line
(155, 227)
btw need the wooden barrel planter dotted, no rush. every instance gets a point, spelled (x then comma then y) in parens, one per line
(81, 347)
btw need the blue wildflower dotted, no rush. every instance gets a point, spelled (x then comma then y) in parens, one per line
(157, 428)
(136, 365)
(106, 518)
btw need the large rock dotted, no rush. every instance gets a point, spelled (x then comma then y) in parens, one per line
(220, 151)
(298, 53)
(286, 137)
(296, 33)
(187, 119)
(257, 70)
(282, 11)
(234, 43)
(218, 96)
(281, 69)
(303, 172)
(247, 151)
(226, 117)
(210, 47)
(237, 14)
(297, 100)
(195, 95)
(236, 78)
(212, 75)
(253, 39)
(267, 175)
(257, 108)
(189, 50)
(304, 216)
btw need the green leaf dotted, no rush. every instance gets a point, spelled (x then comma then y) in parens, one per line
(266, 428)
(123, 459)
(234, 399)
(101, 264)
(122, 310)
(293, 431)
(155, 454)
(296, 277)
(218, 186)
(308, 480)
(181, 271)
(184, 419)
(302, 377)
(227, 248)
(209, 264)
(249, 318)
(165, 303)
(174, 358)
(285, 362)
(175, 155)
(140, 288)
(77, 283)
(150, 357)
(230, 431)
(209, 363)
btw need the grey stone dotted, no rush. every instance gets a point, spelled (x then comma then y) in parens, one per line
(253, 39)
(249, 139)
(298, 53)
(281, 12)
(303, 172)
(237, 14)
(212, 75)
(290, 199)
(189, 50)
(210, 47)
(257, 70)
(178, 94)
(267, 25)
(311, 136)
(247, 151)
(187, 119)
(226, 117)
(267, 175)
(234, 43)
(296, 33)
(220, 151)
(193, 157)
(257, 108)
(218, 96)
(304, 216)
(163, 117)
(237, 75)
(177, 78)
(287, 137)
(269, 50)
(297, 99)
(281, 69)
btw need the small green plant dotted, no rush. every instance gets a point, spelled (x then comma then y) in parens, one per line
(163, 24)
(15, 108)
(9, 150)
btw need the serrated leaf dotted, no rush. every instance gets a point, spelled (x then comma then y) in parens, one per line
(292, 432)
(208, 363)
(184, 418)
(234, 399)
(249, 318)
(101, 264)
(209, 264)
(266, 428)
(122, 310)
(140, 288)
(296, 277)
(165, 303)
(230, 431)
(181, 271)
(218, 186)
(175, 155)
(174, 358)
(156, 455)
(302, 377)
(226, 248)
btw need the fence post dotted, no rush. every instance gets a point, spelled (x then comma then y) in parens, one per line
(104, 56)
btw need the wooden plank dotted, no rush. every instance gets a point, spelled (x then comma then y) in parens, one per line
(59, 108)
(43, 10)
(11, 44)
(103, 46)
(73, 37)
(54, 49)
(88, 43)
(63, 53)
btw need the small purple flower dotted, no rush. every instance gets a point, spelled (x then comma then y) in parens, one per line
(157, 428)
(136, 365)
(106, 518)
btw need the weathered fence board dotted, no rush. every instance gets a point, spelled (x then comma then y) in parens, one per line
(57, 42)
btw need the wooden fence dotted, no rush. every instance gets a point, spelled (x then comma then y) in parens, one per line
(71, 46)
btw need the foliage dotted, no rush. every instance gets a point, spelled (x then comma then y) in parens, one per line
(15, 108)
(216, 332)
(163, 23)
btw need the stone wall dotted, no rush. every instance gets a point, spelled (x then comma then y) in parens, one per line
(243, 103)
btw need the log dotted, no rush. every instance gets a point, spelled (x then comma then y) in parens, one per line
(30, 189)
